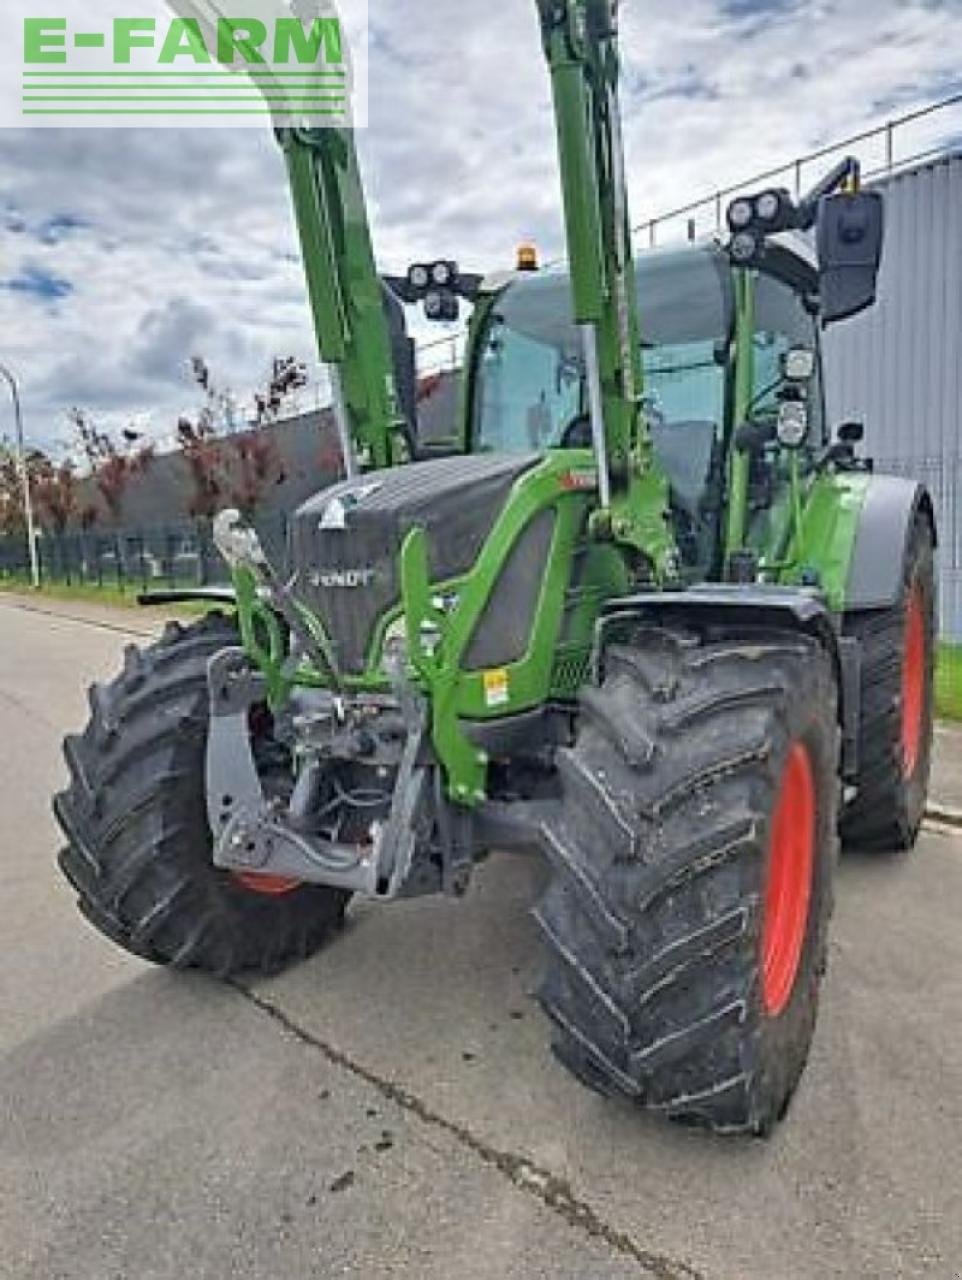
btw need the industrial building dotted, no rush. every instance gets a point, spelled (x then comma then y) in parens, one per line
(898, 367)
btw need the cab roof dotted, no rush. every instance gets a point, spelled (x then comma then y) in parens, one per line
(790, 257)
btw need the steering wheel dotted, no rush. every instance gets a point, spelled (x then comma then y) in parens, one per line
(577, 434)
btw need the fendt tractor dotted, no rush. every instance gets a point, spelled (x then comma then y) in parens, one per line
(643, 613)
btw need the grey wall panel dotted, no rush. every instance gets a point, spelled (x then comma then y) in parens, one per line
(898, 367)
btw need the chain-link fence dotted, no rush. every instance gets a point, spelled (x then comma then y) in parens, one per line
(172, 556)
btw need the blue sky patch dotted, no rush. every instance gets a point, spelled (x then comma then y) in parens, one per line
(40, 284)
(58, 227)
(11, 220)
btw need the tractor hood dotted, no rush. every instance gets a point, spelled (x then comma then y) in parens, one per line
(345, 542)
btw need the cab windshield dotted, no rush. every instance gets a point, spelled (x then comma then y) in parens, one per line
(530, 385)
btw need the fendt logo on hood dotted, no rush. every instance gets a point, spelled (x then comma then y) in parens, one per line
(343, 579)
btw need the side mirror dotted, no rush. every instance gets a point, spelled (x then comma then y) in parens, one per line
(851, 433)
(850, 236)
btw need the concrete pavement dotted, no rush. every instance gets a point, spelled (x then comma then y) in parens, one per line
(947, 767)
(391, 1108)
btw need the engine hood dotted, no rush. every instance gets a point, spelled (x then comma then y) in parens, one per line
(345, 542)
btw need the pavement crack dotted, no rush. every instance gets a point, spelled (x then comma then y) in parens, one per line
(553, 1192)
(25, 709)
(59, 615)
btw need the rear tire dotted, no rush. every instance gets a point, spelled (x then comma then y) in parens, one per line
(681, 970)
(897, 708)
(139, 852)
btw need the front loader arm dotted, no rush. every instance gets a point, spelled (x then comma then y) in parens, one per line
(580, 43)
(345, 291)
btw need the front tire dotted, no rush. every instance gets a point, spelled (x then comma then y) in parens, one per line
(139, 851)
(897, 717)
(693, 854)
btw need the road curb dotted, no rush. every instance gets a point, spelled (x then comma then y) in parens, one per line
(945, 815)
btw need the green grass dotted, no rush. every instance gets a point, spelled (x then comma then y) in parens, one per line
(948, 682)
(111, 595)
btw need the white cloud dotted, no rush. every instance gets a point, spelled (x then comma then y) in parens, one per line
(175, 242)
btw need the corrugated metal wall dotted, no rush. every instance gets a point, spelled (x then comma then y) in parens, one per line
(899, 367)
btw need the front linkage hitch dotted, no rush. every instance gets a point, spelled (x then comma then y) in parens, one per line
(365, 808)
(352, 794)
(256, 830)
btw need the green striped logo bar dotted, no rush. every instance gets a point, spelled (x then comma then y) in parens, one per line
(187, 59)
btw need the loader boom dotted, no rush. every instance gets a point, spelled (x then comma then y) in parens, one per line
(347, 298)
(345, 291)
(347, 303)
(580, 43)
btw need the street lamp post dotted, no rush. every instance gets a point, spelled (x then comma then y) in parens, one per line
(24, 475)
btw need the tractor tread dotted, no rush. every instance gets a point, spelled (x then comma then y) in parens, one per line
(887, 811)
(652, 922)
(138, 849)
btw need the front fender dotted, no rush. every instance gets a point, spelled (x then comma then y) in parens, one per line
(798, 609)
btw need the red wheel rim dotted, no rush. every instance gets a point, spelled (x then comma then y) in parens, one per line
(913, 682)
(788, 893)
(266, 885)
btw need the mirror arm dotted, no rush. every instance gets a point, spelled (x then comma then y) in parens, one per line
(835, 453)
(847, 171)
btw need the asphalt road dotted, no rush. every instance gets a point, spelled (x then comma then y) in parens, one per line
(391, 1108)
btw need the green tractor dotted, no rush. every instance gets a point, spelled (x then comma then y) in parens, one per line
(642, 613)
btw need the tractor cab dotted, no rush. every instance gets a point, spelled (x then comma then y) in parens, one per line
(527, 388)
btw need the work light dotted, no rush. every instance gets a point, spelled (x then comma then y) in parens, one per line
(744, 247)
(441, 304)
(799, 364)
(793, 423)
(740, 214)
(767, 206)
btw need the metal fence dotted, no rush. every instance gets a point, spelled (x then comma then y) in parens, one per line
(172, 556)
(183, 555)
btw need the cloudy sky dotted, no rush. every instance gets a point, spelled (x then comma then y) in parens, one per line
(123, 253)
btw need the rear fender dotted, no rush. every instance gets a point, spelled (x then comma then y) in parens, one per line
(891, 508)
